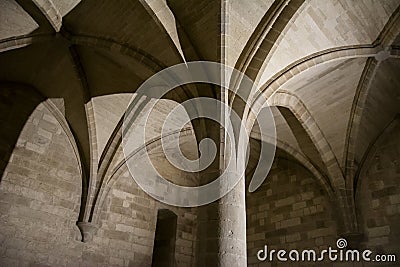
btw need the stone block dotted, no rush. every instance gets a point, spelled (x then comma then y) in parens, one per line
(379, 231)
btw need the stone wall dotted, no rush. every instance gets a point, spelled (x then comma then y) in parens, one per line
(128, 222)
(40, 195)
(15, 107)
(40, 199)
(289, 211)
(378, 196)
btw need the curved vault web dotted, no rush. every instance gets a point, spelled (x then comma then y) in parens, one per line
(167, 19)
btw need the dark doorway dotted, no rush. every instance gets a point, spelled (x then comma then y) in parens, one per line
(164, 241)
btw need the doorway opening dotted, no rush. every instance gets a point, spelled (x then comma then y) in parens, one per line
(165, 237)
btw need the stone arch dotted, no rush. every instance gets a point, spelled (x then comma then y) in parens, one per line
(260, 44)
(112, 149)
(356, 115)
(299, 110)
(37, 99)
(305, 161)
(265, 36)
(22, 41)
(14, 97)
(250, 62)
(385, 39)
(377, 194)
(42, 179)
(345, 206)
(121, 167)
(368, 159)
(379, 47)
(48, 10)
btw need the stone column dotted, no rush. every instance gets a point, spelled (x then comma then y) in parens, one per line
(232, 230)
(221, 231)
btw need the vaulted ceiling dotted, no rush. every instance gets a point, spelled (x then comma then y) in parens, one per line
(328, 68)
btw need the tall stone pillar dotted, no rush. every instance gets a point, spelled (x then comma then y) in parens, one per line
(221, 231)
(232, 227)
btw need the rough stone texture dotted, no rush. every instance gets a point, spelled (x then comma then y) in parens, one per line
(381, 106)
(40, 197)
(243, 18)
(39, 203)
(378, 196)
(310, 87)
(329, 24)
(81, 20)
(289, 211)
(128, 221)
(108, 111)
(283, 130)
(11, 121)
(65, 6)
(19, 22)
(222, 242)
(105, 49)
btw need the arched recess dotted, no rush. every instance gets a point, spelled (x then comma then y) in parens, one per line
(369, 157)
(113, 150)
(295, 155)
(305, 128)
(381, 48)
(249, 60)
(308, 134)
(111, 175)
(379, 108)
(89, 146)
(377, 192)
(42, 179)
(25, 98)
(45, 169)
(17, 104)
(73, 42)
(276, 82)
(289, 209)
